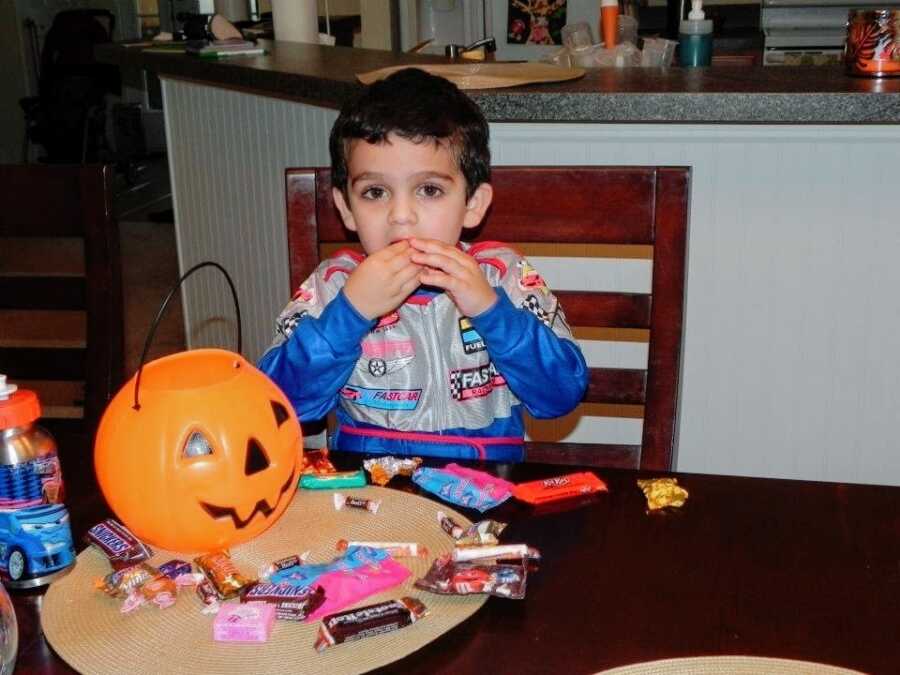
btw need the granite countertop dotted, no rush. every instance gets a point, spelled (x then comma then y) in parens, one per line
(745, 95)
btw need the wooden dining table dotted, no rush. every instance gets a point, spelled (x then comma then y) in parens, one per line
(748, 566)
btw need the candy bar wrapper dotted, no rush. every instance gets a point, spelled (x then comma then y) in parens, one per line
(266, 571)
(161, 591)
(292, 603)
(208, 596)
(498, 488)
(397, 549)
(363, 622)
(370, 505)
(245, 622)
(382, 469)
(222, 574)
(448, 577)
(560, 487)
(468, 491)
(663, 493)
(482, 533)
(118, 544)
(120, 583)
(333, 481)
(501, 552)
(175, 568)
(316, 462)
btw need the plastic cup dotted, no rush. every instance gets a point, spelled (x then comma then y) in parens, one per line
(577, 36)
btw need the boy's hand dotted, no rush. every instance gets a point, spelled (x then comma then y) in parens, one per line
(383, 281)
(455, 271)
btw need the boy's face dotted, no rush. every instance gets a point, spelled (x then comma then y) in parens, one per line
(400, 189)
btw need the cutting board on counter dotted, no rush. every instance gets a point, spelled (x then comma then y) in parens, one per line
(485, 75)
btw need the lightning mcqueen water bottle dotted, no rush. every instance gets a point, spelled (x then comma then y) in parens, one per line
(35, 538)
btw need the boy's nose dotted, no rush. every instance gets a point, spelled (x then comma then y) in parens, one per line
(402, 212)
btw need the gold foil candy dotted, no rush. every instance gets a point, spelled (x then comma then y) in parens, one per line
(663, 492)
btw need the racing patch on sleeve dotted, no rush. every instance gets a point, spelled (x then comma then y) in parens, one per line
(529, 279)
(477, 382)
(533, 305)
(287, 323)
(306, 294)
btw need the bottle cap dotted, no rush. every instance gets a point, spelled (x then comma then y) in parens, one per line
(696, 13)
(19, 409)
(609, 3)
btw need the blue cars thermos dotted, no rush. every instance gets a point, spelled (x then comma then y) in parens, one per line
(35, 537)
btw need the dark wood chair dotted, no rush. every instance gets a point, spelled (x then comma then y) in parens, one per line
(61, 329)
(633, 213)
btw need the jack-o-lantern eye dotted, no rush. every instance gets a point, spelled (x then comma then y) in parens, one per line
(197, 446)
(281, 413)
(257, 460)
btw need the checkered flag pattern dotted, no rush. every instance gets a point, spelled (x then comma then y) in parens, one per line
(533, 305)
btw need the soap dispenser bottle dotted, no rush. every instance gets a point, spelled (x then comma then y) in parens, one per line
(695, 37)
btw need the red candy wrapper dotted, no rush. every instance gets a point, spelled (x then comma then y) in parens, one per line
(316, 462)
(447, 577)
(561, 487)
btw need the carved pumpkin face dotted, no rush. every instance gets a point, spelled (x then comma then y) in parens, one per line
(210, 460)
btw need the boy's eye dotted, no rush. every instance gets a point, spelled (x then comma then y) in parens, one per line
(374, 192)
(431, 190)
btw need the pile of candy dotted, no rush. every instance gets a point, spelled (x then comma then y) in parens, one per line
(292, 589)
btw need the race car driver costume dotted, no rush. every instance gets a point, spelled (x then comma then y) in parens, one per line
(425, 380)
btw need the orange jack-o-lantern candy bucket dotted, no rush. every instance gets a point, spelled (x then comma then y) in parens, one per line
(199, 451)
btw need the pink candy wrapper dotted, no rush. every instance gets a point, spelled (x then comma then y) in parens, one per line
(247, 622)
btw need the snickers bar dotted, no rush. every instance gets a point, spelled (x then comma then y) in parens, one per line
(292, 603)
(118, 544)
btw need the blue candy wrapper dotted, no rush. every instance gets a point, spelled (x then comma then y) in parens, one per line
(459, 490)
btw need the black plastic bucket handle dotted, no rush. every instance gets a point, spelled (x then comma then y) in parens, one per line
(162, 309)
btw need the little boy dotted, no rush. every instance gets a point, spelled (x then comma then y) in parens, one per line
(425, 345)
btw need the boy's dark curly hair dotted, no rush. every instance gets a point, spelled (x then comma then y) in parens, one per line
(416, 106)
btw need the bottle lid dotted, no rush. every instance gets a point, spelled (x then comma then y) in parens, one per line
(609, 3)
(19, 409)
(696, 13)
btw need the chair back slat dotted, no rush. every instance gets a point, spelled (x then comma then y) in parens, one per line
(63, 319)
(635, 214)
(605, 310)
(622, 386)
(570, 205)
(43, 201)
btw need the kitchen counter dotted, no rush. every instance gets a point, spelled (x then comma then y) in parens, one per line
(325, 76)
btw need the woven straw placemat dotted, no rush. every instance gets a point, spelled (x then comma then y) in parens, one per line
(729, 665)
(86, 628)
(485, 75)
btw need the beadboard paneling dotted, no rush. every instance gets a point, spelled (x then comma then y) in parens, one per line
(227, 156)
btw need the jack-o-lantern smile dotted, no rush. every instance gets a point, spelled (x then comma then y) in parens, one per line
(262, 506)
